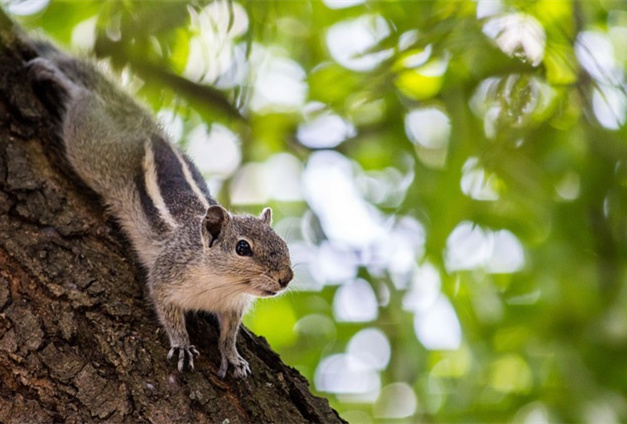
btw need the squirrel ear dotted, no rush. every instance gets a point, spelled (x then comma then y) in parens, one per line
(215, 220)
(266, 216)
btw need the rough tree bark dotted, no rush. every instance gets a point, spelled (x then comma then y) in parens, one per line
(78, 340)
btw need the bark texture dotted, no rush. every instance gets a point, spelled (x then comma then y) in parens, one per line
(79, 342)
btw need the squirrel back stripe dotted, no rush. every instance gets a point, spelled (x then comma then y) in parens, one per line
(180, 193)
(151, 168)
(203, 190)
(193, 182)
(158, 225)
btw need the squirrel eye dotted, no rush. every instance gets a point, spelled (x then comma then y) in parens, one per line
(243, 248)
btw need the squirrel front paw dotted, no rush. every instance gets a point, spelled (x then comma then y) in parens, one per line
(241, 369)
(186, 356)
(41, 69)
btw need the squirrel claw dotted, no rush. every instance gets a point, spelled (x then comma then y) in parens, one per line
(185, 356)
(241, 369)
(41, 69)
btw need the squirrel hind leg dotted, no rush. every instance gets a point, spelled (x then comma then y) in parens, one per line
(45, 70)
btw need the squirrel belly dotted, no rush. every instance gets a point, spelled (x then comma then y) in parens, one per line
(198, 256)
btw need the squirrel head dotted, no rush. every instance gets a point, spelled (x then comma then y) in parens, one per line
(247, 250)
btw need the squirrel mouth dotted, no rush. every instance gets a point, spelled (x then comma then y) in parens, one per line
(269, 292)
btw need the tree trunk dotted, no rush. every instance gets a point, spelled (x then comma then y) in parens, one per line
(78, 340)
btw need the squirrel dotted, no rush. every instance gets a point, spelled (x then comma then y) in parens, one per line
(197, 255)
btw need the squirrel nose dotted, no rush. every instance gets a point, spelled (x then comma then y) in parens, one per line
(285, 279)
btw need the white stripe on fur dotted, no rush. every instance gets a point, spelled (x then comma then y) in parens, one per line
(190, 180)
(152, 186)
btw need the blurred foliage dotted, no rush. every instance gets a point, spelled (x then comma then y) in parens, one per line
(496, 128)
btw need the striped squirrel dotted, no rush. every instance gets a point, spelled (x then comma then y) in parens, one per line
(198, 256)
